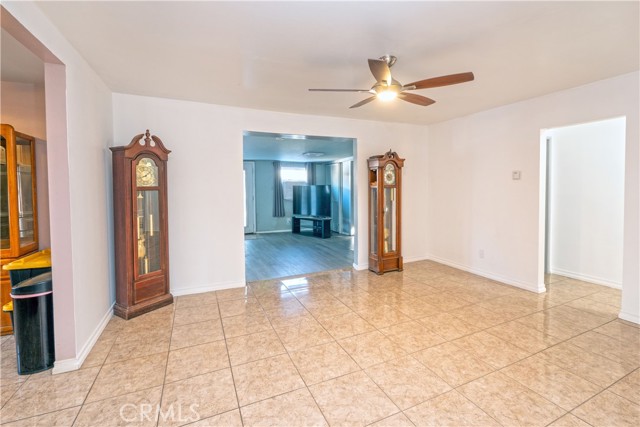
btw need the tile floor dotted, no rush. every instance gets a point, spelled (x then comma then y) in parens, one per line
(431, 346)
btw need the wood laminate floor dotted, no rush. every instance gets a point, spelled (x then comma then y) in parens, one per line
(274, 255)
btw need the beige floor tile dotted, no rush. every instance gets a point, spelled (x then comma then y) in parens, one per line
(406, 381)
(608, 296)
(196, 360)
(592, 367)
(198, 397)
(226, 419)
(6, 391)
(609, 409)
(451, 410)
(237, 307)
(323, 362)
(48, 394)
(480, 316)
(245, 324)
(128, 376)
(383, 316)
(296, 408)
(125, 350)
(234, 293)
(491, 349)
(609, 347)
(555, 384)
(445, 301)
(621, 331)
(327, 308)
(265, 378)
(305, 333)
(195, 314)
(98, 353)
(247, 348)
(452, 364)
(528, 339)
(628, 387)
(196, 333)
(397, 420)
(63, 418)
(352, 400)
(569, 420)
(509, 402)
(448, 326)
(345, 325)
(412, 336)
(278, 300)
(135, 409)
(194, 300)
(590, 306)
(371, 348)
(554, 325)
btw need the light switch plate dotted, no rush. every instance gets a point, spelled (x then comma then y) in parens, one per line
(515, 175)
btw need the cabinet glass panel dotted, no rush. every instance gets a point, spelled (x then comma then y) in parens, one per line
(148, 226)
(374, 221)
(25, 191)
(389, 220)
(4, 197)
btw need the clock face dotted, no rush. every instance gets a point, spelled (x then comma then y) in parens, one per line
(146, 173)
(389, 174)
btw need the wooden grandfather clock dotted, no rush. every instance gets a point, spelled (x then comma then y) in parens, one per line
(385, 194)
(141, 227)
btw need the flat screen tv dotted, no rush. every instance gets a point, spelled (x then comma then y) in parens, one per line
(312, 200)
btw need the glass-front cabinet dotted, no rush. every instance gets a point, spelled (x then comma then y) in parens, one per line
(385, 189)
(18, 206)
(140, 223)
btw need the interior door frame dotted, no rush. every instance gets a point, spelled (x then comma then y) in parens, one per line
(250, 195)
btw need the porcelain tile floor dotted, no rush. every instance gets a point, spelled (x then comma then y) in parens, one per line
(429, 346)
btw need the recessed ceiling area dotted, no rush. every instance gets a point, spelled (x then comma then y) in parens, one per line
(266, 55)
(292, 148)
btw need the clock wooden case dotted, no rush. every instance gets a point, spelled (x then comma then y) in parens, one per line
(385, 225)
(141, 227)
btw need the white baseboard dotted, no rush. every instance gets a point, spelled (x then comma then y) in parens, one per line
(360, 267)
(532, 287)
(406, 260)
(273, 231)
(206, 288)
(629, 317)
(66, 365)
(587, 278)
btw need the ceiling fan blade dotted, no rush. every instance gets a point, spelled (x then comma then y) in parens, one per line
(451, 79)
(364, 101)
(339, 90)
(416, 99)
(380, 70)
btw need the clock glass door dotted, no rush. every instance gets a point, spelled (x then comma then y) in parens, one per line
(4, 196)
(24, 169)
(148, 217)
(389, 219)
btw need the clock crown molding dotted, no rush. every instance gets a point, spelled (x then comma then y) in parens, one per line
(386, 157)
(150, 143)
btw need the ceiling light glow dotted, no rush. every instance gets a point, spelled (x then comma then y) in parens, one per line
(387, 95)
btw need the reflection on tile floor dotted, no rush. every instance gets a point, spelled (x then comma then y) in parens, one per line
(429, 346)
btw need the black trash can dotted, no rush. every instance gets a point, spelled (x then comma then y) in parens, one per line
(33, 324)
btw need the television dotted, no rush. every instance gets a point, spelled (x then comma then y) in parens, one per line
(312, 200)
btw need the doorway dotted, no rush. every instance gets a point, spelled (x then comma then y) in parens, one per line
(584, 201)
(286, 166)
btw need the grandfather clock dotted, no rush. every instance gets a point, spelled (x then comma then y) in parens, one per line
(385, 194)
(141, 226)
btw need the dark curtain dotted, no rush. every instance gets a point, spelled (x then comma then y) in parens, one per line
(278, 192)
(311, 177)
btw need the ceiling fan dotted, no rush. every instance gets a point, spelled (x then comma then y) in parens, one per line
(386, 88)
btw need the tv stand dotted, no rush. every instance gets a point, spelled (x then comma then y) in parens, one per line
(321, 225)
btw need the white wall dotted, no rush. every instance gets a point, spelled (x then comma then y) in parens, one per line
(79, 132)
(205, 179)
(474, 204)
(586, 201)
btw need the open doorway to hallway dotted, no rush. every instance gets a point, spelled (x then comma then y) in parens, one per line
(585, 202)
(299, 204)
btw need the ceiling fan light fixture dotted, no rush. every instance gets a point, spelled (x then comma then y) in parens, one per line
(313, 154)
(387, 95)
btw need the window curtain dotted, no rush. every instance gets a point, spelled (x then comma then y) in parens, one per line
(311, 177)
(278, 192)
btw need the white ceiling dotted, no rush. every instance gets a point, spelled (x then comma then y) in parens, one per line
(265, 55)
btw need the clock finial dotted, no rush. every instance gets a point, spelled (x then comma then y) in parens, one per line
(147, 137)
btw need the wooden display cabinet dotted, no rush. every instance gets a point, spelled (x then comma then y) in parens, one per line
(18, 207)
(141, 226)
(385, 220)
